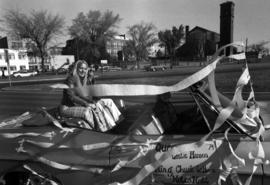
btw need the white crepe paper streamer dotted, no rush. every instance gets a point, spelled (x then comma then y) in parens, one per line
(49, 135)
(148, 169)
(222, 117)
(95, 146)
(138, 90)
(225, 113)
(258, 159)
(240, 56)
(151, 167)
(64, 130)
(243, 80)
(44, 144)
(41, 176)
(20, 118)
(231, 162)
(59, 86)
(57, 165)
(143, 150)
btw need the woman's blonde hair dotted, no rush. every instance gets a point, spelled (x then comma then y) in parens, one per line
(73, 71)
(75, 67)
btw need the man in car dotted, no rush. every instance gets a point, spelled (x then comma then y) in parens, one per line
(166, 113)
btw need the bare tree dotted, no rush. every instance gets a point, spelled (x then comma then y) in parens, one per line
(38, 26)
(142, 36)
(259, 47)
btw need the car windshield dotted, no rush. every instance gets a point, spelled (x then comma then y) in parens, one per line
(188, 112)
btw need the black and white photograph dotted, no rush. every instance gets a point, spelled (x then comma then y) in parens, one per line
(134, 92)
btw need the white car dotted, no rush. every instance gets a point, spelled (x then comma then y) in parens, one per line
(111, 68)
(24, 73)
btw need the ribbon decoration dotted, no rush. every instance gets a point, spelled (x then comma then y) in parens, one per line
(142, 152)
(131, 90)
(231, 162)
(16, 120)
(250, 117)
(136, 90)
(102, 90)
(39, 175)
(225, 113)
(149, 168)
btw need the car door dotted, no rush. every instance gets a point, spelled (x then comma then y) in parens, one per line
(80, 157)
(185, 161)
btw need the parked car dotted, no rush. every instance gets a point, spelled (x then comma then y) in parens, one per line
(155, 68)
(110, 68)
(24, 73)
(62, 71)
(162, 133)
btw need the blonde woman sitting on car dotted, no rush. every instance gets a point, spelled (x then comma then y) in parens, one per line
(100, 115)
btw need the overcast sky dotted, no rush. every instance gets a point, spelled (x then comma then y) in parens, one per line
(251, 16)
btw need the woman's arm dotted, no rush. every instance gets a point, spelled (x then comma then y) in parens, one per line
(76, 99)
(72, 95)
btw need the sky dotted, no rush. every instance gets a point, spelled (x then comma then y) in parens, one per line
(251, 17)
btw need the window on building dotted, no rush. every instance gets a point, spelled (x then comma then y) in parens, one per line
(21, 56)
(1, 57)
(11, 56)
(28, 45)
(16, 45)
(46, 67)
(13, 68)
(3, 68)
(22, 67)
(32, 60)
(32, 67)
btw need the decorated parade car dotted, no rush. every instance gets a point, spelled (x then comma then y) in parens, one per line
(190, 134)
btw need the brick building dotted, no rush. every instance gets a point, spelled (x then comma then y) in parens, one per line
(199, 44)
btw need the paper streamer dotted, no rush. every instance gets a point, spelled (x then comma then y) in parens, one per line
(230, 162)
(225, 113)
(148, 169)
(137, 90)
(54, 164)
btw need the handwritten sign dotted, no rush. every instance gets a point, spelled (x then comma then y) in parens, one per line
(196, 166)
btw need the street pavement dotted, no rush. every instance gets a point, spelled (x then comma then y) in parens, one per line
(17, 99)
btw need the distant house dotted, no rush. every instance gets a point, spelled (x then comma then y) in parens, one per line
(16, 52)
(114, 48)
(57, 60)
(18, 60)
(199, 44)
(155, 49)
(115, 45)
(23, 56)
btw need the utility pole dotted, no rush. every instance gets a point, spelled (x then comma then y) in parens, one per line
(8, 66)
(4, 45)
(77, 48)
(246, 44)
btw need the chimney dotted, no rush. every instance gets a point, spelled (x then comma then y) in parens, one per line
(226, 23)
(186, 31)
